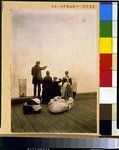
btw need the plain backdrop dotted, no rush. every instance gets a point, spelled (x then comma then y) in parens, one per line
(61, 39)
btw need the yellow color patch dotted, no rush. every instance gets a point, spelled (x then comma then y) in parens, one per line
(105, 45)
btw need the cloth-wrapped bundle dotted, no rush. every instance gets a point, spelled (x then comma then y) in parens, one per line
(58, 105)
(32, 106)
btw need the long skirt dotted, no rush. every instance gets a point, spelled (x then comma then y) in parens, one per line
(46, 96)
(67, 91)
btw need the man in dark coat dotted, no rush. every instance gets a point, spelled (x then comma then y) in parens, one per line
(37, 77)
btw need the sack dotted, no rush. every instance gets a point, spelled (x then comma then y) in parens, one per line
(58, 107)
(32, 106)
(56, 98)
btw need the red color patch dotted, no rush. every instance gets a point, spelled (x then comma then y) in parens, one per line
(106, 78)
(105, 62)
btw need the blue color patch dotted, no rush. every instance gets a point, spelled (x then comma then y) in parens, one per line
(105, 12)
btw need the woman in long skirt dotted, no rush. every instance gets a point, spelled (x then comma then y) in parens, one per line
(67, 91)
(46, 88)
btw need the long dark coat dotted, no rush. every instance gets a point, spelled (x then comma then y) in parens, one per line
(36, 73)
(46, 89)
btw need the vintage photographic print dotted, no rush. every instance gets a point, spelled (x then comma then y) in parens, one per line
(54, 70)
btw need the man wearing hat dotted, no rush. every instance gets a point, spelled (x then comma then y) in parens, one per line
(37, 77)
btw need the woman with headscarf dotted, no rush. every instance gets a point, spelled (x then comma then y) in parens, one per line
(67, 91)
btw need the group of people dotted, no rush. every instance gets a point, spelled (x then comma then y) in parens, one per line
(51, 87)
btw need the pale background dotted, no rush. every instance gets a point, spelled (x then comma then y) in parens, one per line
(61, 39)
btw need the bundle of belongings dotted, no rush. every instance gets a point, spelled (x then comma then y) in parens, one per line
(32, 106)
(58, 105)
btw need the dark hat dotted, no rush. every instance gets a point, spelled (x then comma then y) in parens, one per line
(66, 72)
(37, 62)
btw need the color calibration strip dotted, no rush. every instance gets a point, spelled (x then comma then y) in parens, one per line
(38, 143)
(108, 66)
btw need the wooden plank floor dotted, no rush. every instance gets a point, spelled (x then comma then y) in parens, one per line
(80, 119)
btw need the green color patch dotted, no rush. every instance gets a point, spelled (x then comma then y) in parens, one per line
(106, 29)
